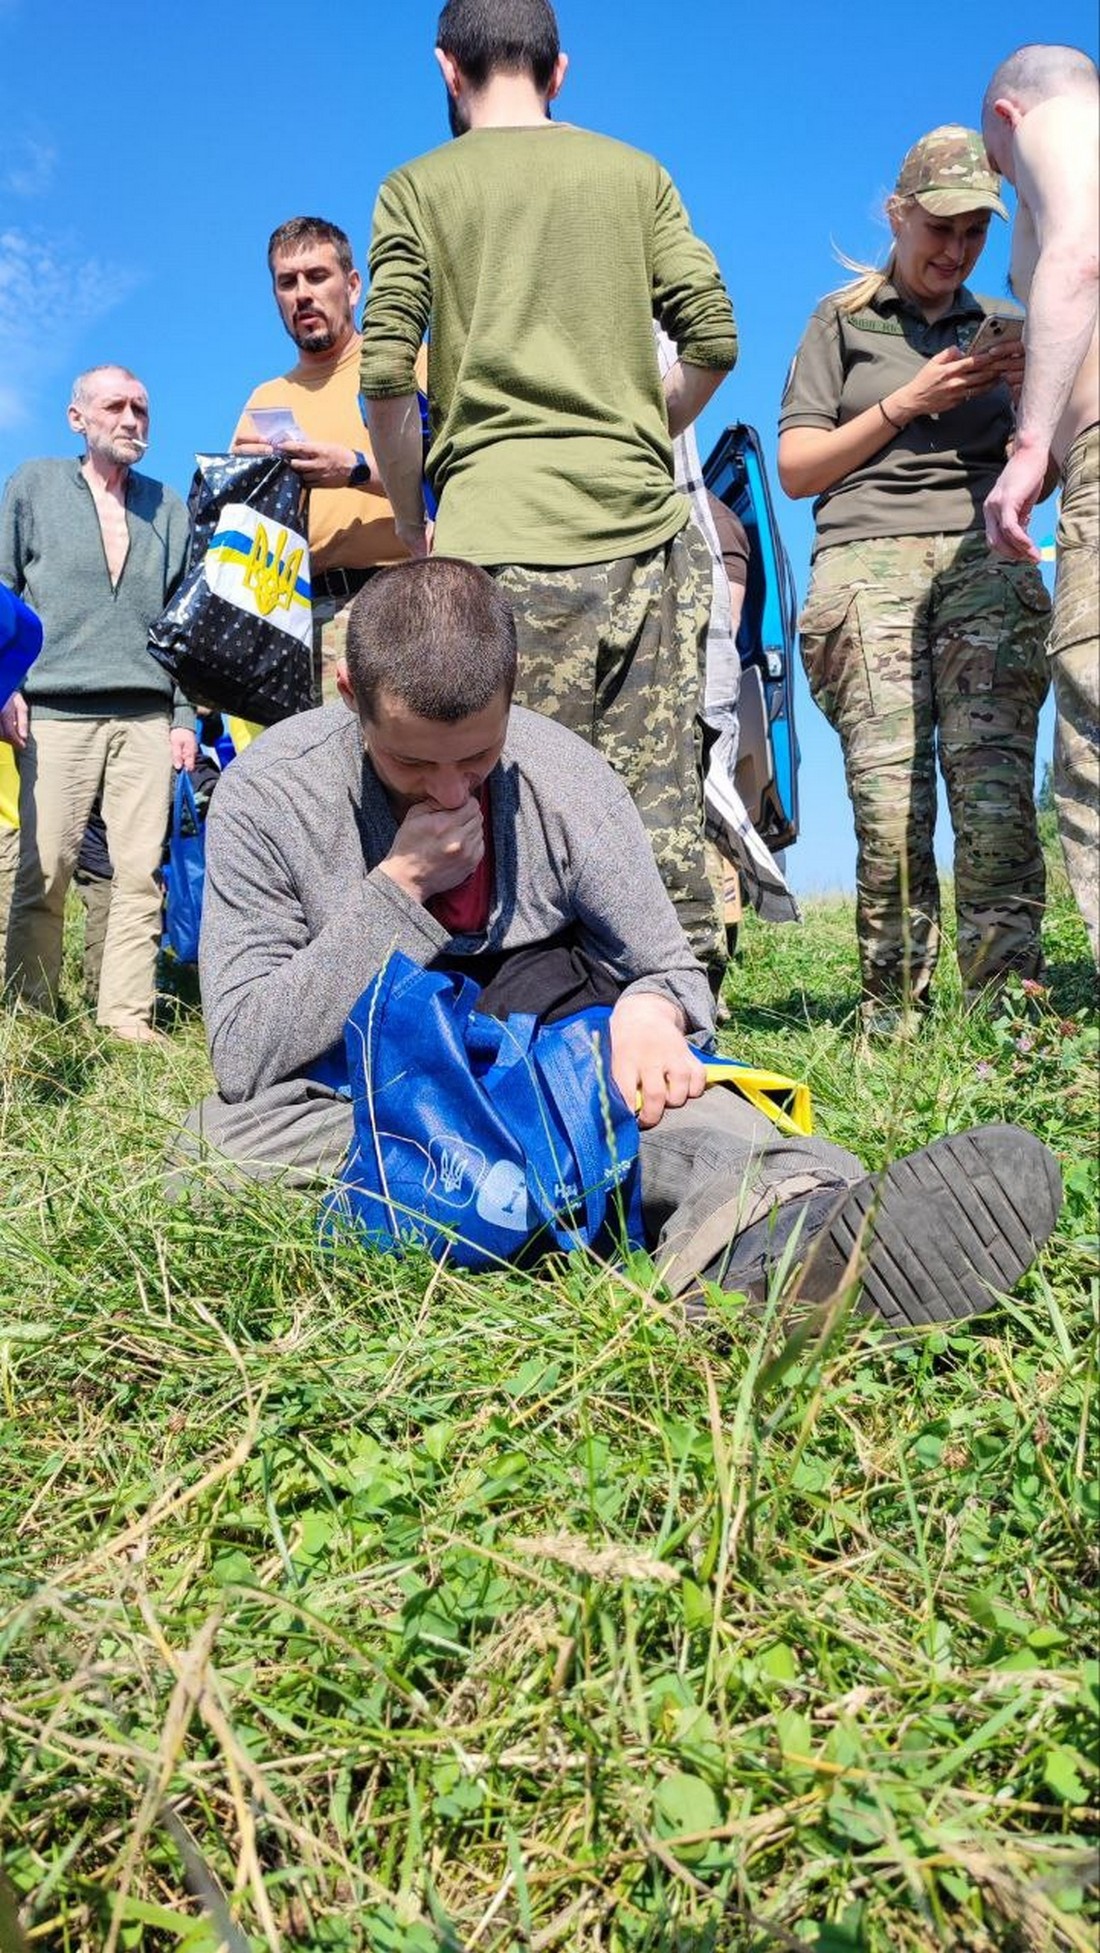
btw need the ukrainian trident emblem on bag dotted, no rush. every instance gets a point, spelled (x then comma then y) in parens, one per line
(238, 634)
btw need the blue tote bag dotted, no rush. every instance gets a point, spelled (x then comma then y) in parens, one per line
(184, 873)
(20, 642)
(479, 1139)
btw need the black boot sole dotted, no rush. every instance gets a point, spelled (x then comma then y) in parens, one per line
(940, 1235)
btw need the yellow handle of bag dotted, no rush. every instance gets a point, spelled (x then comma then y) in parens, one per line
(785, 1101)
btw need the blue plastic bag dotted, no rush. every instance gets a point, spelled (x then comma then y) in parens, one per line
(479, 1139)
(184, 873)
(20, 642)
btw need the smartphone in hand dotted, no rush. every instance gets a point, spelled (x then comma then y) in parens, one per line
(999, 329)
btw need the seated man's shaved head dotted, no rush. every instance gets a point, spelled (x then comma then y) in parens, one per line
(436, 636)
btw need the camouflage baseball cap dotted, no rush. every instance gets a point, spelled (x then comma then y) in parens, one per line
(948, 173)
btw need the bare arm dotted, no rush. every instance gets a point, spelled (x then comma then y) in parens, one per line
(395, 321)
(814, 459)
(397, 444)
(687, 390)
(1057, 181)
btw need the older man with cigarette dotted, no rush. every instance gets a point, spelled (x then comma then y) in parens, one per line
(96, 550)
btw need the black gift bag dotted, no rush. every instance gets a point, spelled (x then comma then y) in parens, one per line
(238, 633)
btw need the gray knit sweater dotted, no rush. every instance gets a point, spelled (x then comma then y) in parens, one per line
(298, 917)
(95, 661)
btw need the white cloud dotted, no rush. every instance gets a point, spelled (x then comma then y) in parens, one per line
(30, 170)
(49, 295)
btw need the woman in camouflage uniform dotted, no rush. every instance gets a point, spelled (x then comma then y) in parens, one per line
(913, 634)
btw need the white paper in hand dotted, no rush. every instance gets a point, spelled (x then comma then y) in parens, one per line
(276, 425)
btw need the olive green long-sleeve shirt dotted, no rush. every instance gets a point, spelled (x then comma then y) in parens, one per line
(537, 259)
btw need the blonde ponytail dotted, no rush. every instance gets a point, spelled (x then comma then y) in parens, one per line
(862, 290)
(865, 287)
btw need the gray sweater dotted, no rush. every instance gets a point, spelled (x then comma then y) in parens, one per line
(95, 661)
(298, 917)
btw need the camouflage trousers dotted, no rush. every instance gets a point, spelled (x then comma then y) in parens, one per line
(330, 636)
(615, 652)
(912, 643)
(1075, 665)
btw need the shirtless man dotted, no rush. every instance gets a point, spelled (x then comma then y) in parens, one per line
(1041, 122)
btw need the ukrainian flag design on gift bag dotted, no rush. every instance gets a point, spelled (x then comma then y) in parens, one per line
(238, 634)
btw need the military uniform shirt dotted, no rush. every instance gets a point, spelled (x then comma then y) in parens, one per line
(539, 258)
(932, 478)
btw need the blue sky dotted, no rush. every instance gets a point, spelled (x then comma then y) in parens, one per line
(147, 152)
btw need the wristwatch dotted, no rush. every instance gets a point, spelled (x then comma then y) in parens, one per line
(361, 473)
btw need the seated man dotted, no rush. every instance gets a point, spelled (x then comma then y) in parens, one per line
(435, 818)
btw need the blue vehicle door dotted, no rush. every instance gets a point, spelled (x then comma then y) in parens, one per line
(767, 765)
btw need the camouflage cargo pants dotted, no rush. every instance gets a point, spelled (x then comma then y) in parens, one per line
(330, 636)
(615, 652)
(1075, 664)
(908, 643)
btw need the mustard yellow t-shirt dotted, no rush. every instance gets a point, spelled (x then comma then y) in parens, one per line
(349, 528)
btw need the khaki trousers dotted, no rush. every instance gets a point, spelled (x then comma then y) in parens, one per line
(9, 858)
(94, 894)
(65, 764)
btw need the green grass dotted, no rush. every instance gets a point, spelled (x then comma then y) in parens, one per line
(348, 1604)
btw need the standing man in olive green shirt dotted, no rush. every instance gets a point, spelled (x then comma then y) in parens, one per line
(539, 255)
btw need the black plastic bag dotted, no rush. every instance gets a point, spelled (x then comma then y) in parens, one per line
(238, 634)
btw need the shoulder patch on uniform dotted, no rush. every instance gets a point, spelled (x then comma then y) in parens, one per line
(873, 322)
